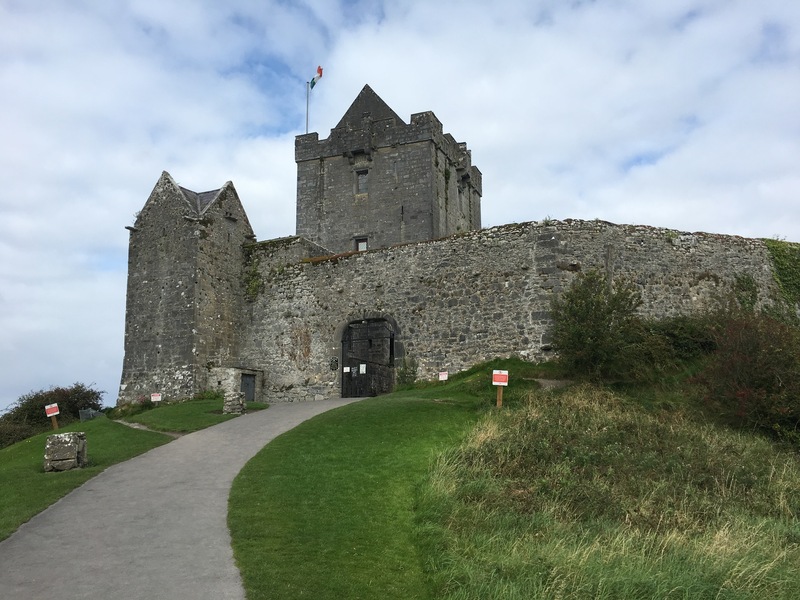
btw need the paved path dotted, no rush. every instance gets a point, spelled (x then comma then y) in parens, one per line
(149, 528)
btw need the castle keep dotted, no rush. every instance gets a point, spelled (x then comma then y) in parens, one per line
(389, 266)
(376, 182)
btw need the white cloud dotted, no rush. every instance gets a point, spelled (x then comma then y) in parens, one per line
(678, 114)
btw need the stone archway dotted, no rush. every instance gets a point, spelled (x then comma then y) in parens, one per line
(368, 353)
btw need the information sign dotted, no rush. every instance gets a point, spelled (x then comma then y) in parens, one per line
(499, 377)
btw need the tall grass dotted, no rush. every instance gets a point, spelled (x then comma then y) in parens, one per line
(584, 495)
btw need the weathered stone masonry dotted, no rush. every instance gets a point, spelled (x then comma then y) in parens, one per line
(309, 317)
(382, 181)
(469, 298)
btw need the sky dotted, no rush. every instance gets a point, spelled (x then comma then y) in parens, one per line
(682, 114)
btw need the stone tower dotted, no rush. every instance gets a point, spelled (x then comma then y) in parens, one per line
(377, 181)
(184, 301)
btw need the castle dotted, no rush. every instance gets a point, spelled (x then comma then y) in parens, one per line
(389, 268)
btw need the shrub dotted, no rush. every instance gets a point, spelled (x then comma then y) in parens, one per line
(26, 416)
(598, 334)
(689, 338)
(753, 378)
(11, 433)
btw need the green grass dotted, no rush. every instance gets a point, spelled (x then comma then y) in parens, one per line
(28, 490)
(577, 493)
(585, 494)
(185, 417)
(325, 510)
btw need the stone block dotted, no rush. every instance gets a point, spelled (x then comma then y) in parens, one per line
(233, 403)
(65, 451)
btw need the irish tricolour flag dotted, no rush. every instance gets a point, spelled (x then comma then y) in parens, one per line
(317, 77)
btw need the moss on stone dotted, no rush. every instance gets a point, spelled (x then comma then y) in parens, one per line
(786, 267)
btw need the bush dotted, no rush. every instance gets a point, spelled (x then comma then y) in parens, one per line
(689, 338)
(26, 416)
(599, 336)
(753, 378)
(11, 433)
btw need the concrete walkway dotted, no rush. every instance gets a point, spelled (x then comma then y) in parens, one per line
(152, 527)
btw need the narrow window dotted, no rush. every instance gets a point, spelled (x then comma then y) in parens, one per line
(361, 244)
(361, 182)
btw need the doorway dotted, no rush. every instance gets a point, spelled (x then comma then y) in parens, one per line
(248, 387)
(368, 358)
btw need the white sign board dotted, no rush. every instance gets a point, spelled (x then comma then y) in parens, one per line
(443, 376)
(499, 377)
(51, 410)
(155, 397)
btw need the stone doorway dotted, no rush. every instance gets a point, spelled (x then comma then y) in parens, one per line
(368, 352)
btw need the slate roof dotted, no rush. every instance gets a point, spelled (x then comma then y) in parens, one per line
(200, 200)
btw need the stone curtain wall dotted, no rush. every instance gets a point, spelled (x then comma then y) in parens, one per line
(465, 299)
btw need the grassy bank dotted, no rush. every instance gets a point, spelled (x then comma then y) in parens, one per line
(584, 494)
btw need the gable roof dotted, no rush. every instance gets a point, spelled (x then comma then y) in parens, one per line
(200, 201)
(367, 104)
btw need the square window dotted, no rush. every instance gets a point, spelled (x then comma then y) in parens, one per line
(361, 244)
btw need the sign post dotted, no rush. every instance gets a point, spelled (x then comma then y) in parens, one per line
(51, 410)
(500, 379)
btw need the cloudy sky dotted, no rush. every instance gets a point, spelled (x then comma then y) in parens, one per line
(675, 113)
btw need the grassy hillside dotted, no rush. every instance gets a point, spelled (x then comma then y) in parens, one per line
(573, 493)
(584, 494)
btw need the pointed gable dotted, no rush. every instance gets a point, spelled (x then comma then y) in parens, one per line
(172, 202)
(367, 104)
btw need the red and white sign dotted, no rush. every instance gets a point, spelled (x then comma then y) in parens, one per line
(155, 397)
(443, 376)
(51, 410)
(499, 377)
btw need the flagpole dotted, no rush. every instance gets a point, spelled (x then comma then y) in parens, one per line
(309, 85)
